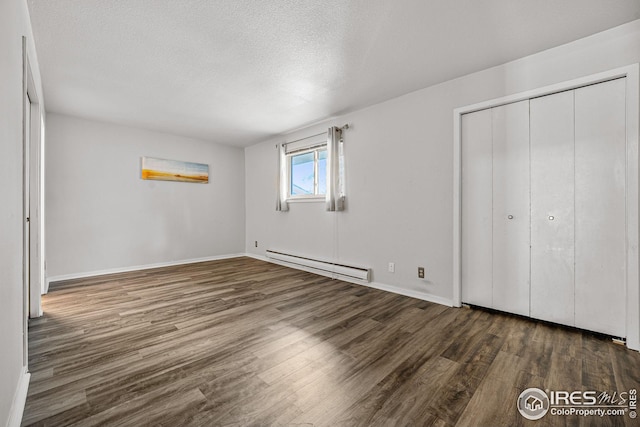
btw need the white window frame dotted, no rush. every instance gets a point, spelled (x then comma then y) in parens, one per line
(314, 148)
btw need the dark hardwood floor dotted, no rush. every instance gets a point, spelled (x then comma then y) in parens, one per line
(242, 342)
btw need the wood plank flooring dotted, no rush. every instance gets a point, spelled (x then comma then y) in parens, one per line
(242, 342)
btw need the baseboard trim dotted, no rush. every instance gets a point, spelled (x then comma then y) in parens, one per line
(376, 285)
(52, 279)
(258, 257)
(19, 400)
(410, 293)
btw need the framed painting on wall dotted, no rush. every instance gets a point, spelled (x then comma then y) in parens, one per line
(174, 170)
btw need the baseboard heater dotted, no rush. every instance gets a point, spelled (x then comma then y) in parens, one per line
(350, 271)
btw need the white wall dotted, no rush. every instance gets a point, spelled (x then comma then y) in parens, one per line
(14, 23)
(399, 170)
(102, 216)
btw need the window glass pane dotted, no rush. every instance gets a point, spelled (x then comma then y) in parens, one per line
(302, 174)
(322, 172)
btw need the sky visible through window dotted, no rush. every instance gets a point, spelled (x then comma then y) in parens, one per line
(302, 173)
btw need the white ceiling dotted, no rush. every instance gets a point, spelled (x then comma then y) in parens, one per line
(238, 71)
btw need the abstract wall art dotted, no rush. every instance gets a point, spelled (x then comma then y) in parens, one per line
(174, 170)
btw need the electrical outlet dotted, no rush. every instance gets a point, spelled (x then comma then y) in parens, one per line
(256, 243)
(421, 272)
(392, 267)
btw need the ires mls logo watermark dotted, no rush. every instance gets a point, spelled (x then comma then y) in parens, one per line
(534, 403)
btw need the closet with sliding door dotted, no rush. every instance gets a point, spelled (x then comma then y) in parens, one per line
(543, 211)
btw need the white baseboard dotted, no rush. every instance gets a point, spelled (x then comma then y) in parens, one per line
(136, 268)
(19, 400)
(258, 257)
(382, 286)
(376, 285)
(411, 293)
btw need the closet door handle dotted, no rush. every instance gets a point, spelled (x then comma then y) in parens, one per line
(510, 216)
(551, 218)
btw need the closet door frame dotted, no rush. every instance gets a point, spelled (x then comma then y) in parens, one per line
(632, 75)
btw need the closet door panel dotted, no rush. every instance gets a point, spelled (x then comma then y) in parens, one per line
(511, 221)
(600, 287)
(552, 208)
(476, 153)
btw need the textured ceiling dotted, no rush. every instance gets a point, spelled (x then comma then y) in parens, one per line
(238, 71)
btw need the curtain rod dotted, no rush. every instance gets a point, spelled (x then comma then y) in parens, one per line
(302, 139)
(345, 127)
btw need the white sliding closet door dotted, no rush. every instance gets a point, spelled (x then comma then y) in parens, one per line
(552, 208)
(544, 206)
(477, 161)
(511, 221)
(600, 177)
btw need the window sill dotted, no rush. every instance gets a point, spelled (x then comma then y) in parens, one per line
(307, 200)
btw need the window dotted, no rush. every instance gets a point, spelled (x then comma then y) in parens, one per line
(312, 168)
(307, 173)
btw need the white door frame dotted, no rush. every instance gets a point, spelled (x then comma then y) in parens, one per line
(632, 75)
(31, 167)
(35, 206)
